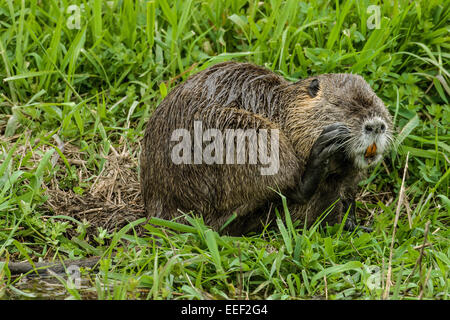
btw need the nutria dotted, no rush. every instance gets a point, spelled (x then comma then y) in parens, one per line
(327, 130)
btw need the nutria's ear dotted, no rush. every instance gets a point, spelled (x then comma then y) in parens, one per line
(313, 88)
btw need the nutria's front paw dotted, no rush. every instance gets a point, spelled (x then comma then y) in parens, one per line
(327, 145)
(317, 167)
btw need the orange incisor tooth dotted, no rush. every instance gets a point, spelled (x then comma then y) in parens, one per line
(371, 151)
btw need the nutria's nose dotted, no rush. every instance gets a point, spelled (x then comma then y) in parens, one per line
(375, 126)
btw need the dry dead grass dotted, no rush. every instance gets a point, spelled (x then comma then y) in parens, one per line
(114, 198)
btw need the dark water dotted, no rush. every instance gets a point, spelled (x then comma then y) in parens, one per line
(46, 288)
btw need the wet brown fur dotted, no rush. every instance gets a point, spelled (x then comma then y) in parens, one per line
(234, 95)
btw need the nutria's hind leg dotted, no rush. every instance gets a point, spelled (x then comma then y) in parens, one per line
(251, 217)
(351, 223)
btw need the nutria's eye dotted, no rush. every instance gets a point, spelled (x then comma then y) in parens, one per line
(313, 88)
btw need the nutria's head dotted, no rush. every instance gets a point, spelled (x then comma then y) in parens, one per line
(348, 99)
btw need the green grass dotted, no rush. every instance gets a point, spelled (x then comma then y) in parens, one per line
(96, 87)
